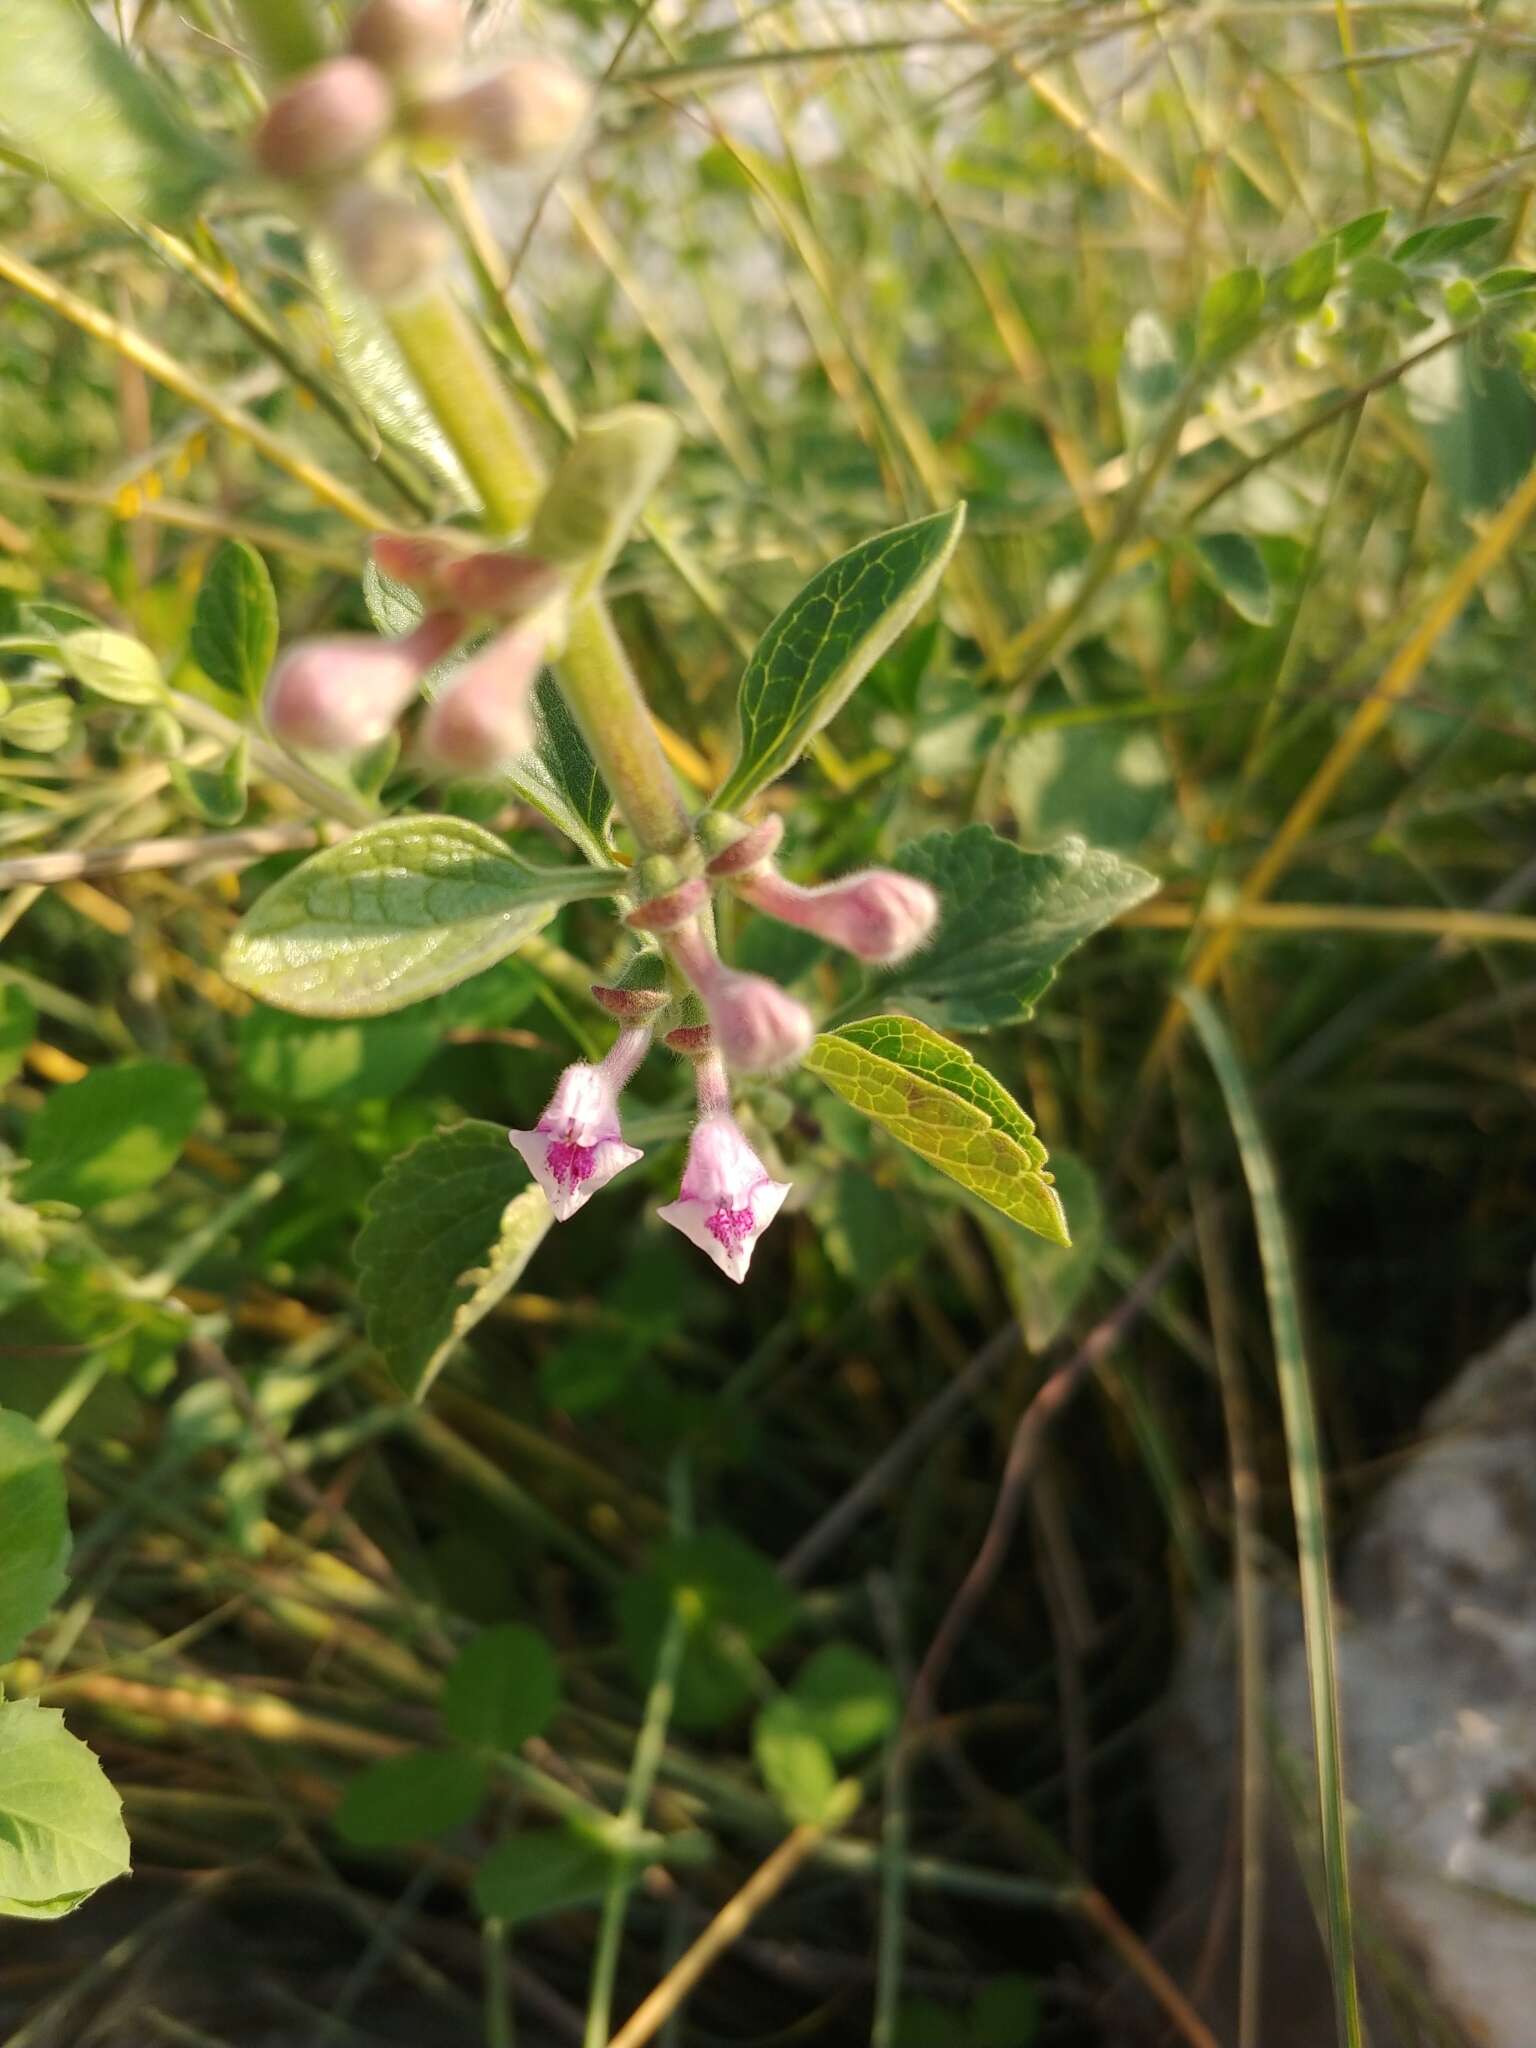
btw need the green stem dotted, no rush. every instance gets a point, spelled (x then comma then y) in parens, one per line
(283, 34)
(498, 1989)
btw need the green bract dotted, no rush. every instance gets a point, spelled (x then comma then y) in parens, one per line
(826, 640)
(400, 911)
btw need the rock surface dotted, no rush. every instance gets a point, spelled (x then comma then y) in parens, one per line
(1437, 1679)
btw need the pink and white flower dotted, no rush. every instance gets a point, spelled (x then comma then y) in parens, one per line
(577, 1145)
(345, 693)
(728, 1197)
(484, 719)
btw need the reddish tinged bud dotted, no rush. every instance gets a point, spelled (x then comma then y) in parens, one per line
(484, 719)
(678, 906)
(879, 916)
(417, 559)
(691, 1040)
(750, 851)
(413, 40)
(340, 695)
(392, 250)
(521, 112)
(630, 1005)
(500, 583)
(328, 122)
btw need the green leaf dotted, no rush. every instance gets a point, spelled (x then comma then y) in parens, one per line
(1151, 372)
(1511, 282)
(113, 665)
(1009, 918)
(826, 640)
(61, 1823)
(559, 777)
(793, 1761)
(1107, 781)
(306, 1060)
(1299, 287)
(502, 1688)
(1231, 314)
(117, 1130)
(1045, 1282)
(934, 1098)
(449, 1230)
(234, 622)
(741, 1605)
(407, 1798)
(402, 910)
(849, 1701)
(1357, 235)
(39, 725)
(1449, 238)
(1006, 2014)
(18, 1028)
(540, 1871)
(34, 1530)
(71, 98)
(1232, 565)
(215, 795)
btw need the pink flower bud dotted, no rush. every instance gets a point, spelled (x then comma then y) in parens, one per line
(756, 1024)
(500, 583)
(879, 915)
(337, 696)
(413, 40)
(391, 248)
(727, 1199)
(484, 719)
(416, 559)
(330, 120)
(577, 1146)
(526, 109)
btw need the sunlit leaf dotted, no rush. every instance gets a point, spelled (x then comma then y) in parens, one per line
(61, 1823)
(234, 622)
(118, 1129)
(34, 1529)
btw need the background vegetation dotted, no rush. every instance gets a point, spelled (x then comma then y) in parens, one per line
(1216, 315)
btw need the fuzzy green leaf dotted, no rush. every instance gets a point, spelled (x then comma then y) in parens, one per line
(559, 777)
(402, 910)
(114, 666)
(1008, 919)
(450, 1228)
(34, 1530)
(234, 622)
(826, 640)
(112, 1133)
(61, 1823)
(72, 99)
(934, 1098)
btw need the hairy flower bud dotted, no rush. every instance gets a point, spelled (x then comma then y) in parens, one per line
(756, 1024)
(484, 719)
(728, 1198)
(391, 248)
(500, 583)
(531, 106)
(328, 122)
(415, 41)
(879, 916)
(736, 850)
(343, 694)
(577, 1146)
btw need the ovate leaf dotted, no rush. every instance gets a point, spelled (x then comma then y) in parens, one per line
(216, 795)
(934, 1098)
(234, 622)
(401, 910)
(407, 1798)
(848, 1700)
(112, 1133)
(540, 1871)
(1231, 314)
(502, 1688)
(72, 98)
(34, 1530)
(449, 1230)
(740, 1606)
(1449, 238)
(61, 1823)
(1232, 565)
(1008, 919)
(1045, 1282)
(826, 640)
(559, 777)
(113, 665)
(794, 1762)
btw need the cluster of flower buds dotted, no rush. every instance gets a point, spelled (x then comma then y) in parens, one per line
(408, 80)
(718, 1018)
(343, 695)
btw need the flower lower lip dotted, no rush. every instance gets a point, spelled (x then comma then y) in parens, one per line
(570, 1164)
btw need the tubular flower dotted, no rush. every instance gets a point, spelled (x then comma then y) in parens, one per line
(877, 915)
(484, 719)
(343, 694)
(756, 1024)
(577, 1146)
(728, 1197)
